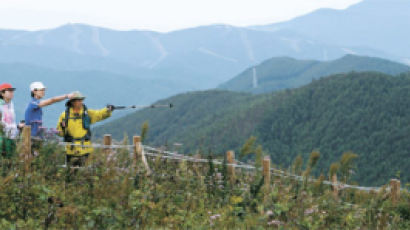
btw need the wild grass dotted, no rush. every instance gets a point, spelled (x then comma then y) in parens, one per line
(111, 193)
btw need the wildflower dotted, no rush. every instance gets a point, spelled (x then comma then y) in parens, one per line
(275, 222)
(309, 211)
(214, 217)
(269, 213)
(219, 176)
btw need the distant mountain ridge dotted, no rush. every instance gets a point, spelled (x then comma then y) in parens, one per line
(378, 24)
(204, 57)
(283, 72)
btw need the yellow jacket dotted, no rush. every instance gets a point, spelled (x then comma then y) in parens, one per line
(74, 128)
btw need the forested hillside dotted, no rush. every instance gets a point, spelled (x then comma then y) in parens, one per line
(366, 113)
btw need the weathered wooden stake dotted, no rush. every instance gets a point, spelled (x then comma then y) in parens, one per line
(182, 167)
(196, 167)
(137, 148)
(107, 143)
(335, 186)
(26, 147)
(230, 157)
(266, 171)
(139, 154)
(394, 191)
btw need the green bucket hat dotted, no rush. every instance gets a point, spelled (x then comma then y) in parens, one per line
(77, 96)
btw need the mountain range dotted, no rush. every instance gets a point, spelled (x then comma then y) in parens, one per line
(204, 57)
(201, 57)
(378, 24)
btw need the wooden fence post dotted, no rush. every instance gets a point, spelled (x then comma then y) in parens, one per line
(182, 167)
(26, 147)
(139, 154)
(196, 167)
(335, 186)
(394, 191)
(107, 143)
(266, 171)
(137, 148)
(230, 157)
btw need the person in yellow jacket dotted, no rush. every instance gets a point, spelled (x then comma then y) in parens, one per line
(74, 125)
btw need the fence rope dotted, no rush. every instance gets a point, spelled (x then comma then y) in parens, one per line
(158, 152)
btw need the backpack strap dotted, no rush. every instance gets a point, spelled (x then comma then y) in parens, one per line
(86, 121)
(64, 124)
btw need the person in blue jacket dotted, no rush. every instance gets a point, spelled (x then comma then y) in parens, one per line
(34, 111)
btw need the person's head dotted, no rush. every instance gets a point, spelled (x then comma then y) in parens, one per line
(6, 92)
(76, 101)
(37, 90)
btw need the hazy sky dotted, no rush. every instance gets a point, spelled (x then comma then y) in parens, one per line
(158, 15)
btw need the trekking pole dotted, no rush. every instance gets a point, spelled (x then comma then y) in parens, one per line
(116, 107)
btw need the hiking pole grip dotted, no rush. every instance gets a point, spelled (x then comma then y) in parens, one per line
(170, 105)
(115, 107)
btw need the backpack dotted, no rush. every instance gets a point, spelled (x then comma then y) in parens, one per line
(86, 121)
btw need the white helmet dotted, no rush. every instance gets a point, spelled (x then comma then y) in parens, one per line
(36, 85)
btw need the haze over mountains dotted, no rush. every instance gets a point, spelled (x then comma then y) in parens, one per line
(379, 24)
(204, 57)
(201, 57)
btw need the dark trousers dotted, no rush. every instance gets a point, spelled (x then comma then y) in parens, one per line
(76, 160)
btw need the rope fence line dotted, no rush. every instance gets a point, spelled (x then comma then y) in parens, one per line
(195, 160)
(102, 146)
(141, 151)
(274, 172)
(175, 156)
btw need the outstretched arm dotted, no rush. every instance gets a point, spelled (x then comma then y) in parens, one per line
(98, 115)
(53, 100)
